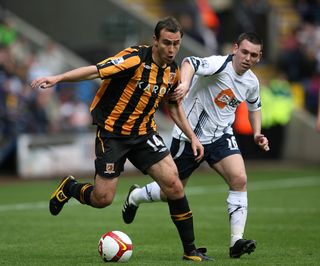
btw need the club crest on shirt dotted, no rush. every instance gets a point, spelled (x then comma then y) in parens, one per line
(226, 97)
(172, 76)
(204, 63)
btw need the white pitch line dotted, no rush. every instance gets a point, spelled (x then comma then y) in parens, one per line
(196, 190)
(24, 206)
(259, 185)
(29, 206)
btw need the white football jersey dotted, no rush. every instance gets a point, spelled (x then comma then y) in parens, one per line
(215, 92)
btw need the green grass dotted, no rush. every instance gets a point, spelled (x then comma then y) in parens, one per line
(284, 218)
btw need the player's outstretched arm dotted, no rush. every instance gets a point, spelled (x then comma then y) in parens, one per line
(78, 74)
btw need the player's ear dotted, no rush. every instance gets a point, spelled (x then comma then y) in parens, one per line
(155, 41)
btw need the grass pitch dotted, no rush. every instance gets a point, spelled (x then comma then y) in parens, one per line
(283, 217)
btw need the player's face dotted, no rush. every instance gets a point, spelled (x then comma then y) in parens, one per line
(246, 55)
(166, 47)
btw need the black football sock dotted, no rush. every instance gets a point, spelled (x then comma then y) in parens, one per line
(182, 218)
(80, 191)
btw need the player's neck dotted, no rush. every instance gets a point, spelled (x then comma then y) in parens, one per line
(157, 60)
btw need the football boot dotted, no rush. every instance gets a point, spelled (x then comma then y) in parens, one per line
(129, 210)
(197, 255)
(241, 247)
(59, 197)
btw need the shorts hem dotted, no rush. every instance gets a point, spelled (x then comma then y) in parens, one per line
(144, 171)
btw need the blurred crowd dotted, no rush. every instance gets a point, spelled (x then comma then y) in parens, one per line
(23, 110)
(300, 52)
(65, 107)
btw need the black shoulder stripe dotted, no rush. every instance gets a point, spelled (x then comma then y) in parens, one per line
(195, 62)
(229, 58)
(252, 102)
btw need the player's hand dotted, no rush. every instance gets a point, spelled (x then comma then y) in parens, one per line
(262, 142)
(44, 82)
(179, 92)
(197, 148)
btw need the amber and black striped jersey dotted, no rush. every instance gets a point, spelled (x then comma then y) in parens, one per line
(132, 87)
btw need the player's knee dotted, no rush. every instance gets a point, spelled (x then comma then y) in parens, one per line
(174, 189)
(239, 183)
(102, 201)
(177, 186)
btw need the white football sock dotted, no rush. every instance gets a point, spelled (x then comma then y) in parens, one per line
(237, 209)
(148, 193)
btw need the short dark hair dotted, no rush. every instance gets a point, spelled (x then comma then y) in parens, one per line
(251, 37)
(168, 23)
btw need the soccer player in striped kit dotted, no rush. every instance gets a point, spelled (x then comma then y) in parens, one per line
(134, 82)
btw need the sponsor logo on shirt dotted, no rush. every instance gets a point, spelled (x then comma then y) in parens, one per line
(117, 61)
(152, 88)
(226, 97)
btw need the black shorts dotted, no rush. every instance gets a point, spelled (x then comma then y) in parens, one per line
(141, 151)
(214, 152)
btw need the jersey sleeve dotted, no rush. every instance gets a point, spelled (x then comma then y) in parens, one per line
(119, 65)
(205, 66)
(254, 100)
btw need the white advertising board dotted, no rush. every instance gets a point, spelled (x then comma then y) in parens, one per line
(47, 156)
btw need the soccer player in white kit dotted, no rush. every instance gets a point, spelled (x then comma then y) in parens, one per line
(214, 86)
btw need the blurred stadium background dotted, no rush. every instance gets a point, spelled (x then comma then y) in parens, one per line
(49, 133)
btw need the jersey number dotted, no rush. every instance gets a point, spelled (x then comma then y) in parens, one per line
(232, 143)
(155, 143)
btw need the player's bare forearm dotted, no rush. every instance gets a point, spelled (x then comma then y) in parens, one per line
(179, 117)
(78, 74)
(187, 73)
(255, 121)
(82, 73)
(259, 139)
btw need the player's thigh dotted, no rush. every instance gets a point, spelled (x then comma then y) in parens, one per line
(165, 173)
(152, 157)
(225, 157)
(232, 169)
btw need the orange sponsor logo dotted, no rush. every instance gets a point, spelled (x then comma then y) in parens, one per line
(224, 98)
